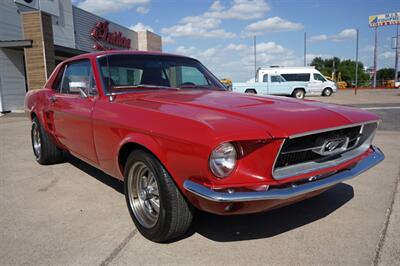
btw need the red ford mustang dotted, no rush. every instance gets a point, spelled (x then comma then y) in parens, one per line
(167, 127)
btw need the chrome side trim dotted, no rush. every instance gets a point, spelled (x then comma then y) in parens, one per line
(332, 128)
(286, 193)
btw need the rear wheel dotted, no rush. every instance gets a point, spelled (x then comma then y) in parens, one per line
(44, 149)
(155, 204)
(327, 92)
(298, 93)
(252, 91)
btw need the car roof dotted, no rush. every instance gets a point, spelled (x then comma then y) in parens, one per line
(112, 52)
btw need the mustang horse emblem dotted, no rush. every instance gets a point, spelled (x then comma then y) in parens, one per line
(333, 146)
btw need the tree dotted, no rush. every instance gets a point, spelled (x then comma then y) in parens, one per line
(345, 67)
(385, 74)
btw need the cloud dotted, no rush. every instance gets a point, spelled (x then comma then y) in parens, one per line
(387, 55)
(216, 6)
(142, 10)
(236, 60)
(207, 25)
(240, 9)
(236, 47)
(107, 6)
(198, 27)
(188, 51)
(167, 40)
(344, 35)
(270, 48)
(210, 52)
(141, 27)
(274, 24)
(317, 38)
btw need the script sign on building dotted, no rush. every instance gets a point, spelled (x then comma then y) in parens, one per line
(384, 19)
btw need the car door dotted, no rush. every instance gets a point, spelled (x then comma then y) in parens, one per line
(277, 85)
(317, 83)
(72, 106)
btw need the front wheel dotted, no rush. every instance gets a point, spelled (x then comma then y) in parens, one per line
(155, 204)
(327, 92)
(298, 93)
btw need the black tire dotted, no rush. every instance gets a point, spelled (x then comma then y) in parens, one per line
(47, 152)
(327, 92)
(252, 91)
(298, 93)
(175, 215)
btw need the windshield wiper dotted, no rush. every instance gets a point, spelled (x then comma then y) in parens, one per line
(140, 86)
(194, 86)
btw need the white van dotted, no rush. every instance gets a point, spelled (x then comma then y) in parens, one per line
(317, 84)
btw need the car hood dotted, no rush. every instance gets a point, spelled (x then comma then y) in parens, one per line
(279, 116)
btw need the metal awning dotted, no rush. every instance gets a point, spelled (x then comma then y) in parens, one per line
(66, 51)
(16, 44)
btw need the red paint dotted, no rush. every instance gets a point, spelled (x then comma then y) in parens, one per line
(182, 127)
(101, 33)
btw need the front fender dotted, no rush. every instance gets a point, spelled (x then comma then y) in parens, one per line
(149, 143)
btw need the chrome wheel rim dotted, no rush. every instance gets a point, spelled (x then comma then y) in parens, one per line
(299, 95)
(36, 140)
(143, 194)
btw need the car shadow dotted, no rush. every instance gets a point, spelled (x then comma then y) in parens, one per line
(250, 226)
(274, 222)
(96, 173)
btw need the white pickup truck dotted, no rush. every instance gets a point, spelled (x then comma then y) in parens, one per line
(272, 85)
(295, 81)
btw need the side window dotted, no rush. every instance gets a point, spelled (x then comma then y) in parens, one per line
(77, 75)
(277, 79)
(57, 83)
(178, 75)
(297, 77)
(319, 77)
(265, 78)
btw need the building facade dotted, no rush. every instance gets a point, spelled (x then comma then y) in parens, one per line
(36, 35)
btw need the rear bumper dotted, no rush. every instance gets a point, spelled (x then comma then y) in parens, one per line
(375, 157)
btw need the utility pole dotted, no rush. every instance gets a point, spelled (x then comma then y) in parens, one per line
(305, 48)
(255, 58)
(356, 85)
(375, 56)
(396, 63)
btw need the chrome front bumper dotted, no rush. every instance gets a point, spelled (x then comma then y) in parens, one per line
(285, 193)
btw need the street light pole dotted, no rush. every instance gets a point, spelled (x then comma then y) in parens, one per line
(305, 48)
(375, 55)
(356, 85)
(255, 58)
(397, 56)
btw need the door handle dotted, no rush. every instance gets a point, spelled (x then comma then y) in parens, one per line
(52, 99)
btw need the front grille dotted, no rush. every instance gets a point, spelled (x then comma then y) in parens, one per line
(296, 158)
(300, 150)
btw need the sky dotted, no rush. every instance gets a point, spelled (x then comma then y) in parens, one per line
(220, 33)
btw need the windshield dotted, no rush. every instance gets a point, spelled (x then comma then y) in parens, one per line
(319, 77)
(122, 72)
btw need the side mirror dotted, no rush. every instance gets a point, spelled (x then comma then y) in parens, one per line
(79, 86)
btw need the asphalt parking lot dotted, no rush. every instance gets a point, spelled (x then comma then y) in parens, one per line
(71, 213)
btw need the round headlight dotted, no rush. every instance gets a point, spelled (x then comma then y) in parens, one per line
(223, 160)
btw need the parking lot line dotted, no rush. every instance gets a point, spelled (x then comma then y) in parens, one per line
(381, 108)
